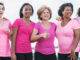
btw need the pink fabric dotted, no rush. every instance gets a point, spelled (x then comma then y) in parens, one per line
(45, 46)
(78, 19)
(65, 36)
(23, 44)
(5, 50)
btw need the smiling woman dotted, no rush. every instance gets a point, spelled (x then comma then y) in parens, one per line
(67, 33)
(5, 34)
(44, 34)
(22, 30)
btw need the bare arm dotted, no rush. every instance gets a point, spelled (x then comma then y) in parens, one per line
(77, 38)
(13, 39)
(35, 36)
(13, 42)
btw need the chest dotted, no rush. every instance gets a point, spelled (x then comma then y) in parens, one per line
(25, 29)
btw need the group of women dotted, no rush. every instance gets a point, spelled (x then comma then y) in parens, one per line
(23, 32)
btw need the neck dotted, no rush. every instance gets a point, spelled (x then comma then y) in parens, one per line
(45, 21)
(26, 19)
(66, 19)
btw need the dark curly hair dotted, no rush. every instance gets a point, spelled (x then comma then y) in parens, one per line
(21, 15)
(62, 7)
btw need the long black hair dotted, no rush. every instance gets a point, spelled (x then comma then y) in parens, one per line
(21, 15)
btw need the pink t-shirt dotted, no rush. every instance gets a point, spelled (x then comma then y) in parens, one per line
(5, 50)
(45, 46)
(78, 19)
(65, 36)
(23, 44)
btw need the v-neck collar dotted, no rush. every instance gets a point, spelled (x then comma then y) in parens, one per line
(66, 24)
(44, 28)
(25, 24)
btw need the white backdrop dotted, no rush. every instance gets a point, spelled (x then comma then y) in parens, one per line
(12, 8)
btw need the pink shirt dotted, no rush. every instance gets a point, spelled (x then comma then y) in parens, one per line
(78, 19)
(5, 50)
(23, 44)
(45, 46)
(65, 36)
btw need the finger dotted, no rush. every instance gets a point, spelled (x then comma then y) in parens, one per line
(74, 58)
(71, 58)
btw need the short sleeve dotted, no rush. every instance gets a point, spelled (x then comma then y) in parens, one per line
(16, 24)
(36, 26)
(75, 24)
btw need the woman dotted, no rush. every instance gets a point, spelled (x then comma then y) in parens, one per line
(5, 33)
(67, 33)
(44, 33)
(22, 30)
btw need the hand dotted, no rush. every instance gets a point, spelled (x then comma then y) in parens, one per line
(59, 18)
(13, 56)
(8, 31)
(45, 35)
(73, 56)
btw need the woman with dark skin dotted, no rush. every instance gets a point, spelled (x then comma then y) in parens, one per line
(67, 33)
(22, 30)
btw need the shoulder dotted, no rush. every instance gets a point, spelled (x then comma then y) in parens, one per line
(7, 21)
(74, 21)
(53, 24)
(19, 19)
(32, 23)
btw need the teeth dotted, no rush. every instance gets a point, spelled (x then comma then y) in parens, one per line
(69, 14)
(46, 16)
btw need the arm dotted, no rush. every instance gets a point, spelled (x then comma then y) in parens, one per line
(77, 38)
(13, 42)
(34, 36)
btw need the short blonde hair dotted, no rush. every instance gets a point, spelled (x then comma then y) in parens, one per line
(39, 12)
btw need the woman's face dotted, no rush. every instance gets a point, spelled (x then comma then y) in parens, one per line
(1, 10)
(45, 15)
(27, 11)
(67, 12)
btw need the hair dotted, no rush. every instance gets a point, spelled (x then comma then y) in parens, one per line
(62, 7)
(39, 12)
(2, 5)
(78, 13)
(21, 14)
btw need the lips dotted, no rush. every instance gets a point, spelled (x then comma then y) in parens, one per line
(69, 14)
(1, 13)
